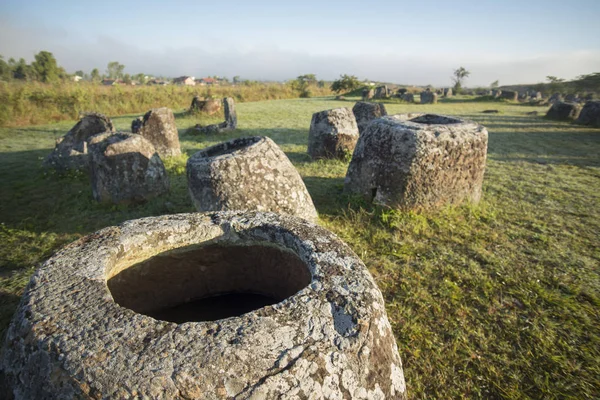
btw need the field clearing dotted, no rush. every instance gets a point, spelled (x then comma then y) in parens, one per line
(495, 300)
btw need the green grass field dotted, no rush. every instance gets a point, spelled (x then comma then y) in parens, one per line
(495, 300)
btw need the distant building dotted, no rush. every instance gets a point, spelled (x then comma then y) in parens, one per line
(207, 81)
(184, 80)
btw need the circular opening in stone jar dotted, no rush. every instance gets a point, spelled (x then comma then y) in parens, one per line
(432, 119)
(229, 147)
(211, 282)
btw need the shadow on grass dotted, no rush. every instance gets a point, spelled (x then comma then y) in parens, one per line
(327, 194)
(281, 136)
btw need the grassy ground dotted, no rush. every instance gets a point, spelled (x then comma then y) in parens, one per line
(497, 300)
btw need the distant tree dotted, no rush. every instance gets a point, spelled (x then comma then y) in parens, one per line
(95, 75)
(494, 84)
(5, 70)
(80, 73)
(21, 70)
(302, 83)
(114, 70)
(127, 79)
(45, 67)
(141, 78)
(555, 84)
(346, 83)
(309, 79)
(236, 79)
(458, 78)
(589, 82)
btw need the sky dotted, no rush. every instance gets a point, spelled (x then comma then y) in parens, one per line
(405, 42)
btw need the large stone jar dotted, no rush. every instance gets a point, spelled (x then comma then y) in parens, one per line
(250, 173)
(333, 134)
(203, 306)
(415, 163)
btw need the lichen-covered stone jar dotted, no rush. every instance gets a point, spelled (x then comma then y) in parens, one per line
(419, 161)
(250, 173)
(144, 310)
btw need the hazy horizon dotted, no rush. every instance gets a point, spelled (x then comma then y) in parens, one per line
(401, 42)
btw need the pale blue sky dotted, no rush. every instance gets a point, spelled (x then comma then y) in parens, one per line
(417, 42)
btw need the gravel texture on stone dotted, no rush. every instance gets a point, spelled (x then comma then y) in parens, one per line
(331, 340)
(160, 129)
(365, 112)
(250, 173)
(71, 150)
(333, 134)
(564, 111)
(419, 162)
(125, 168)
(590, 114)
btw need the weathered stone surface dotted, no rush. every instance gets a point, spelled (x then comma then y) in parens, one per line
(447, 92)
(408, 97)
(79, 331)
(381, 92)
(137, 124)
(496, 93)
(160, 129)
(125, 168)
(230, 113)
(367, 94)
(247, 174)
(208, 106)
(229, 124)
(564, 111)
(423, 162)
(366, 112)
(510, 95)
(590, 114)
(71, 150)
(333, 133)
(428, 97)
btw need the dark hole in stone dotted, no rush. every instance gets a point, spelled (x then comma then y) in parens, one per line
(433, 119)
(211, 282)
(373, 193)
(230, 147)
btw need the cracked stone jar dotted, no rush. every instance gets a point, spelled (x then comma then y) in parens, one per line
(203, 306)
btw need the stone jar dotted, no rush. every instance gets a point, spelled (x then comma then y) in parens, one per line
(333, 134)
(419, 163)
(150, 309)
(590, 114)
(125, 168)
(250, 173)
(564, 111)
(159, 128)
(71, 150)
(365, 112)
